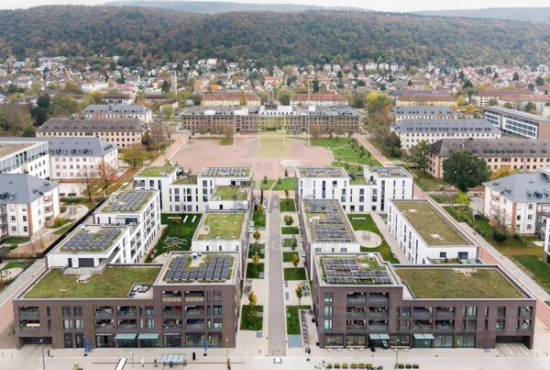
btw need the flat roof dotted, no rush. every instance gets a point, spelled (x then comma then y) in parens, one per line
(186, 180)
(230, 193)
(430, 224)
(389, 171)
(114, 282)
(10, 148)
(160, 171)
(436, 282)
(354, 269)
(195, 268)
(327, 222)
(316, 172)
(224, 226)
(91, 239)
(517, 113)
(226, 172)
(127, 201)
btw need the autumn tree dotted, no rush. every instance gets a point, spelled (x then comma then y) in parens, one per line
(257, 235)
(299, 293)
(89, 178)
(106, 175)
(465, 170)
(96, 97)
(288, 220)
(284, 96)
(502, 172)
(255, 263)
(295, 261)
(62, 106)
(134, 155)
(376, 102)
(315, 131)
(252, 302)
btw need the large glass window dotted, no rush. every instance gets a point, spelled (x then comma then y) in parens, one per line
(356, 341)
(77, 311)
(334, 340)
(328, 324)
(67, 324)
(328, 297)
(443, 341)
(104, 340)
(68, 339)
(172, 340)
(328, 311)
(66, 311)
(194, 340)
(79, 324)
(465, 340)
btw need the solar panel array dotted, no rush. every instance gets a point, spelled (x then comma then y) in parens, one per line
(322, 172)
(128, 201)
(84, 240)
(331, 228)
(348, 271)
(226, 172)
(216, 270)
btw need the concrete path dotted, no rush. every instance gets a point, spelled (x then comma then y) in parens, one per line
(277, 317)
(399, 254)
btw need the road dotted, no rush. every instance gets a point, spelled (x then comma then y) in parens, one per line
(277, 316)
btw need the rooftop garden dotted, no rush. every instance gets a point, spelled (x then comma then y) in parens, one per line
(56, 285)
(445, 283)
(156, 171)
(221, 226)
(432, 226)
(189, 180)
(231, 193)
(364, 222)
(178, 234)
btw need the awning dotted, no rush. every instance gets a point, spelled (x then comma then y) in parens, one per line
(424, 336)
(374, 336)
(151, 336)
(121, 336)
(384, 336)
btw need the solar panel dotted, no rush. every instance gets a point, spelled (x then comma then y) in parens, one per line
(348, 271)
(217, 269)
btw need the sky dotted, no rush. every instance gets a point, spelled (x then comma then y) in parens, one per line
(388, 5)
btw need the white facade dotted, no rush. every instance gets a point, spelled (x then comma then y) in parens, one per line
(367, 192)
(67, 167)
(157, 178)
(21, 156)
(415, 247)
(118, 111)
(518, 123)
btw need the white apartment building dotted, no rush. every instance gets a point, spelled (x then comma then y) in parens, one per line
(426, 235)
(518, 123)
(357, 193)
(423, 112)
(27, 204)
(413, 131)
(213, 189)
(18, 155)
(522, 201)
(320, 100)
(118, 111)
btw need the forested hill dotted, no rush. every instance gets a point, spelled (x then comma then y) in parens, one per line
(519, 14)
(223, 7)
(297, 37)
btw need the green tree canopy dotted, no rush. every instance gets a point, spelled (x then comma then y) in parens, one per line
(419, 155)
(465, 170)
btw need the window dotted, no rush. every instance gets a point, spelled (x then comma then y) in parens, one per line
(79, 324)
(24, 218)
(442, 254)
(328, 324)
(470, 311)
(501, 311)
(68, 339)
(149, 324)
(328, 297)
(149, 311)
(217, 296)
(466, 340)
(501, 325)
(67, 324)
(66, 311)
(217, 311)
(334, 340)
(77, 311)
(328, 311)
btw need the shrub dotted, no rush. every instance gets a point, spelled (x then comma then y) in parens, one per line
(336, 366)
(58, 222)
(354, 366)
(400, 366)
(361, 366)
(344, 366)
(408, 366)
(328, 366)
(415, 366)
(288, 220)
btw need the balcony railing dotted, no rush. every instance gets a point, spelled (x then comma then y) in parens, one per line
(172, 326)
(109, 326)
(171, 313)
(378, 315)
(194, 313)
(356, 300)
(356, 315)
(444, 314)
(378, 327)
(104, 313)
(194, 326)
(126, 313)
(29, 314)
(127, 326)
(444, 328)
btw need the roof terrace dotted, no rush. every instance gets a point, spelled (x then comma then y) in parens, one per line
(9, 148)
(389, 171)
(430, 224)
(230, 193)
(226, 172)
(156, 171)
(224, 226)
(319, 172)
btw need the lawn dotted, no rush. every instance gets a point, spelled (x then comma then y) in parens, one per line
(16, 240)
(536, 268)
(290, 243)
(288, 183)
(289, 230)
(63, 229)
(347, 150)
(247, 323)
(253, 248)
(115, 282)
(445, 198)
(293, 326)
(287, 256)
(287, 205)
(259, 218)
(444, 283)
(181, 230)
(231, 193)
(427, 182)
(267, 184)
(368, 224)
(250, 274)
(15, 265)
(292, 273)
(223, 226)
(227, 141)
(157, 171)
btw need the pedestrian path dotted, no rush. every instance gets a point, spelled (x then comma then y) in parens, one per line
(398, 253)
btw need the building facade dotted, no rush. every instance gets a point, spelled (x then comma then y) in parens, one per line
(518, 123)
(231, 99)
(437, 100)
(25, 157)
(118, 111)
(423, 112)
(319, 100)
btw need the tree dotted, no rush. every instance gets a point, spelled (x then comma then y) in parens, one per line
(134, 155)
(63, 105)
(260, 209)
(107, 175)
(530, 107)
(228, 130)
(376, 102)
(165, 86)
(499, 229)
(40, 113)
(493, 102)
(286, 195)
(288, 220)
(252, 301)
(89, 177)
(96, 97)
(515, 77)
(295, 261)
(392, 145)
(465, 170)
(419, 155)
(255, 262)
(257, 235)
(167, 111)
(315, 131)
(284, 96)
(299, 293)
(502, 172)
(169, 129)
(539, 81)
(508, 105)
(463, 202)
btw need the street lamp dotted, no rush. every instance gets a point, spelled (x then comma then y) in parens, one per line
(397, 353)
(227, 349)
(43, 359)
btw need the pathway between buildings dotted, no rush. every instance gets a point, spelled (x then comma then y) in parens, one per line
(276, 320)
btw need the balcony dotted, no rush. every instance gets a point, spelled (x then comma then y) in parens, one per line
(357, 299)
(171, 297)
(172, 325)
(194, 298)
(356, 314)
(378, 299)
(105, 325)
(445, 328)
(30, 326)
(422, 312)
(104, 312)
(422, 328)
(127, 312)
(378, 327)
(29, 313)
(173, 312)
(444, 313)
(194, 313)
(127, 326)
(194, 325)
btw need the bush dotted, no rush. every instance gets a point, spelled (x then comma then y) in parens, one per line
(344, 366)
(336, 366)
(288, 220)
(328, 366)
(58, 222)
(361, 366)
(415, 366)
(408, 366)
(400, 366)
(354, 366)
(369, 366)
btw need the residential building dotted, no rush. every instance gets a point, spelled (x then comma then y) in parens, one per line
(369, 191)
(231, 99)
(319, 100)
(25, 157)
(188, 300)
(518, 123)
(516, 154)
(520, 101)
(271, 116)
(124, 111)
(122, 132)
(426, 235)
(484, 98)
(360, 302)
(423, 112)
(521, 201)
(157, 178)
(413, 131)
(435, 99)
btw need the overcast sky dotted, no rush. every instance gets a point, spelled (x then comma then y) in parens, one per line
(388, 5)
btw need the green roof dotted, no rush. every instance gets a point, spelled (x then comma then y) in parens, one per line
(231, 193)
(458, 282)
(56, 285)
(433, 227)
(189, 180)
(157, 171)
(221, 226)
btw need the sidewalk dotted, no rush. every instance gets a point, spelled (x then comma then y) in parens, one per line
(389, 239)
